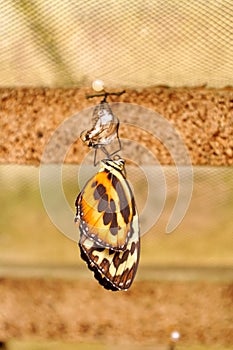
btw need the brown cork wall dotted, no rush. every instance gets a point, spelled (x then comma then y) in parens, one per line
(202, 116)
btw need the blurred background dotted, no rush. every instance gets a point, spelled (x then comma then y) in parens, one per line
(127, 44)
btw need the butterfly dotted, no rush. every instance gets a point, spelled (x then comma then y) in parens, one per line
(109, 226)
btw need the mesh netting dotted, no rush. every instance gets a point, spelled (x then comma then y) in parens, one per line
(125, 43)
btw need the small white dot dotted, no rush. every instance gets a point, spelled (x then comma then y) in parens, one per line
(175, 335)
(98, 85)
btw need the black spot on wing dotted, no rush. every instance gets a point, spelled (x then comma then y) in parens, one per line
(133, 204)
(124, 206)
(114, 228)
(94, 184)
(117, 261)
(99, 191)
(115, 181)
(103, 203)
(107, 218)
(112, 206)
(133, 247)
(104, 265)
(125, 212)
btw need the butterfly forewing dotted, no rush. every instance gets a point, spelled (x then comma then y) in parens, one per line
(105, 208)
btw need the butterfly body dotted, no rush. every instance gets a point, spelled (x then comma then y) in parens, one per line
(109, 226)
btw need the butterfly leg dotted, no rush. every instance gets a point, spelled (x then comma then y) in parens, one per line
(119, 149)
(95, 163)
(103, 149)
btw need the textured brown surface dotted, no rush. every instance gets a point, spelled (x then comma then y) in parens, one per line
(204, 118)
(148, 313)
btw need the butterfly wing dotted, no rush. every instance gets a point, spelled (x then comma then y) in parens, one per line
(105, 209)
(109, 227)
(115, 270)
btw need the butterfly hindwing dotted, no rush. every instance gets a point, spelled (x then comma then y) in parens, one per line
(115, 270)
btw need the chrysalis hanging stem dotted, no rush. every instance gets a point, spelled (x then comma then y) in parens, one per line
(106, 94)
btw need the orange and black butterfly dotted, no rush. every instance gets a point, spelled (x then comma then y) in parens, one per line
(109, 226)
